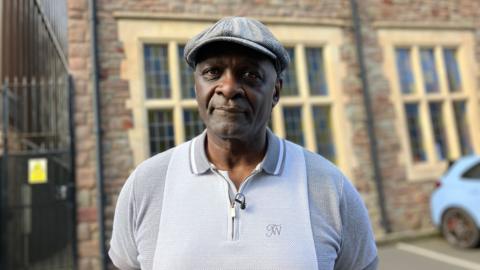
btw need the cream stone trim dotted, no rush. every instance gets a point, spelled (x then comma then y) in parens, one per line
(464, 42)
(135, 32)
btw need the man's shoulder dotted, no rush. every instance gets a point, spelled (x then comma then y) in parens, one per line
(154, 163)
(322, 174)
(150, 175)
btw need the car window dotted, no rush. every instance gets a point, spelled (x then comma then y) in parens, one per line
(473, 173)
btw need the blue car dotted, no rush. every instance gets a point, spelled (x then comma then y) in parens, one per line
(455, 204)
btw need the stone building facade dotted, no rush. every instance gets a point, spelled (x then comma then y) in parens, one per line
(409, 47)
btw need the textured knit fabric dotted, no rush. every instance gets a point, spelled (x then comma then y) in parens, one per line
(342, 237)
(272, 232)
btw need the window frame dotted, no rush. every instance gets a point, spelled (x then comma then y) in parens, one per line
(416, 39)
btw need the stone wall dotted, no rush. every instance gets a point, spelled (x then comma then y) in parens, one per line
(79, 54)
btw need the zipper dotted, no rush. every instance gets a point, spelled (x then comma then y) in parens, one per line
(233, 214)
(232, 209)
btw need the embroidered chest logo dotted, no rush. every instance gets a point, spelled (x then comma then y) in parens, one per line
(273, 230)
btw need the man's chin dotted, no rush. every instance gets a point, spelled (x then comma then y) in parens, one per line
(229, 132)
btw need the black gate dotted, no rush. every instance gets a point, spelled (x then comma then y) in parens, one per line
(37, 204)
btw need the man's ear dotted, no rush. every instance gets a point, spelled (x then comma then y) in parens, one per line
(276, 92)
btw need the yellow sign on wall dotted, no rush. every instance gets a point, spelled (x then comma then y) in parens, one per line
(37, 171)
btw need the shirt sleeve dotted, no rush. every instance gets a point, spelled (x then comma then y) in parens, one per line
(358, 249)
(123, 250)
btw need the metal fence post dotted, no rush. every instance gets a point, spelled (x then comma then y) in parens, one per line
(4, 176)
(72, 191)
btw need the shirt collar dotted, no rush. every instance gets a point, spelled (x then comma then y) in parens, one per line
(272, 162)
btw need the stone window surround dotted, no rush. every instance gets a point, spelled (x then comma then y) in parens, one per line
(463, 41)
(135, 31)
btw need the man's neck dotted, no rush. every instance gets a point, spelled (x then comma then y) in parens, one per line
(236, 156)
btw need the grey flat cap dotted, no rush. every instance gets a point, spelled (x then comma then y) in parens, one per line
(240, 30)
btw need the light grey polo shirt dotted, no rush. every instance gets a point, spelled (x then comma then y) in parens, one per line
(175, 212)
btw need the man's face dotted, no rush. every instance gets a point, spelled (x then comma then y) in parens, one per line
(236, 89)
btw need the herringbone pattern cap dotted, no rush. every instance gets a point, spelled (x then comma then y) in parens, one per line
(241, 30)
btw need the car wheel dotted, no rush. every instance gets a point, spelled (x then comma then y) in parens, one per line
(459, 229)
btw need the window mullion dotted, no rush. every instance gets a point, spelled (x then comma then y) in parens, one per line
(470, 88)
(427, 128)
(448, 113)
(301, 69)
(417, 67)
(309, 129)
(453, 141)
(277, 121)
(307, 117)
(442, 73)
(174, 70)
(424, 114)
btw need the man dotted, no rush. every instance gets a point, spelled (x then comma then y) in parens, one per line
(237, 196)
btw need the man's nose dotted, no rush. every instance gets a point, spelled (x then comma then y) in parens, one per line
(229, 86)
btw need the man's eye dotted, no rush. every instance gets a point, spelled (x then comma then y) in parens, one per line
(252, 75)
(211, 73)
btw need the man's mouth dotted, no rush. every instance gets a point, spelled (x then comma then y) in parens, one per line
(230, 109)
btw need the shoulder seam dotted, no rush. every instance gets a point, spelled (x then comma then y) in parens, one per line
(342, 186)
(135, 210)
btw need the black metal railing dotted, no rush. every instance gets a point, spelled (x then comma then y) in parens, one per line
(37, 218)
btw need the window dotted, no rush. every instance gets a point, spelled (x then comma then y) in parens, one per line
(316, 72)
(435, 96)
(160, 125)
(156, 72)
(192, 122)
(293, 124)
(415, 132)
(303, 114)
(462, 127)
(290, 87)
(162, 93)
(473, 173)
(429, 97)
(172, 113)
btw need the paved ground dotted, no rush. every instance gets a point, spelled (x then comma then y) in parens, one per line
(427, 254)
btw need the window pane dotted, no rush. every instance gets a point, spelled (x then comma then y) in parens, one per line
(186, 76)
(439, 130)
(462, 127)
(290, 77)
(293, 124)
(160, 125)
(473, 173)
(192, 123)
(415, 132)
(429, 71)
(451, 66)
(404, 69)
(157, 79)
(316, 71)
(323, 132)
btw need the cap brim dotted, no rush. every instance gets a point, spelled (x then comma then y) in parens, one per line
(191, 56)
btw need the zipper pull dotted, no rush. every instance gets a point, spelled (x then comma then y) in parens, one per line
(240, 198)
(233, 212)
